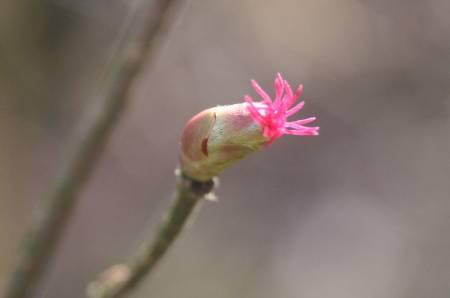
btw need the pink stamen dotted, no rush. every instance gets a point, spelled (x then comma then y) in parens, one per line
(261, 92)
(254, 110)
(279, 89)
(305, 121)
(272, 115)
(295, 109)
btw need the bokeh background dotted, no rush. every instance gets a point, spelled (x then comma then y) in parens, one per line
(361, 211)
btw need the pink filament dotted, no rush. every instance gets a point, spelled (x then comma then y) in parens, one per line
(272, 115)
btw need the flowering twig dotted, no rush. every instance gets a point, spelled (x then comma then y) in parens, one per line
(118, 280)
(57, 207)
(218, 137)
(211, 141)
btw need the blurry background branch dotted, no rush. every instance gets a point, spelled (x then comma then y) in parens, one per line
(133, 46)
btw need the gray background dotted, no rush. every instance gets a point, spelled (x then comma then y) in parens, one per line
(361, 211)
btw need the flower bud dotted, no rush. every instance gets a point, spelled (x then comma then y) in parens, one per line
(218, 137)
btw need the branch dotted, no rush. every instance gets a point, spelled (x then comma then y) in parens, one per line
(120, 279)
(53, 215)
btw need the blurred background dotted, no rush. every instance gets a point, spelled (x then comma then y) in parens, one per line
(361, 211)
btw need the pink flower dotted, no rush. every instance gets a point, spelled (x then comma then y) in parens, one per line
(218, 137)
(272, 115)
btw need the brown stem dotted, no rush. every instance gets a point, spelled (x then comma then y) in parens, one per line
(118, 280)
(52, 216)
